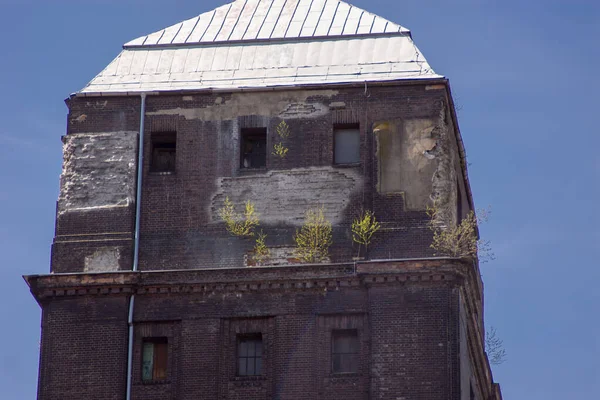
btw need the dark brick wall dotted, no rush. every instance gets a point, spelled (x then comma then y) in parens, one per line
(177, 232)
(83, 349)
(408, 343)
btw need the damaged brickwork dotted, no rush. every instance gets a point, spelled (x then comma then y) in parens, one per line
(407, 160)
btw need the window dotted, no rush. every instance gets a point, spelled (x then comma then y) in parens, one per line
(249, 355)
(154, 359)
(345, 351)
(164, 146)
(346, 140)
(254, 148)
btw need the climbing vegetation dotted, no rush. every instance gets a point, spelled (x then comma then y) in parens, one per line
(314, 237)
(283, 131)
(461, 240)
(239, 224)
(364, 227)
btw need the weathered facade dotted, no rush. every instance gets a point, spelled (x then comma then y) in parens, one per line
(150, 297)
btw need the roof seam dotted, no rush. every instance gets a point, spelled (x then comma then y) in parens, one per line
(237, 20)
(222, 23)
(278, 17)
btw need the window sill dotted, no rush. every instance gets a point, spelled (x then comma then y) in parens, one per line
(249, 378)
(250, 171)
(344, 374)
(156, 382)
(161, 173)
(352, 165)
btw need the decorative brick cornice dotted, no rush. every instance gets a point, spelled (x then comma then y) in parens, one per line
(301, 277)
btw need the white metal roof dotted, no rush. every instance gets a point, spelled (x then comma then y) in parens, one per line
(266, 43)
(271, 19)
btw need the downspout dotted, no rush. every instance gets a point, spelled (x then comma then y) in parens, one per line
(136, 241)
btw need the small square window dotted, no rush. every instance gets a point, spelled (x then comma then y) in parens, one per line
(345, 351)
(164, 149)
(254, 148)
(249, 355)
(154, 359)
(346, 139)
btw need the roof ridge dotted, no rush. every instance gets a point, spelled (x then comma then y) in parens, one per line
(251, 20)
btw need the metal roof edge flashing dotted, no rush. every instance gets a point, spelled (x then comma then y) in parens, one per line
(411, 81)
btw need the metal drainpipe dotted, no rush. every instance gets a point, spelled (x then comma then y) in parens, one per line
(136, 243)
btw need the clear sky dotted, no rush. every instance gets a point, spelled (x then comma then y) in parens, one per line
(525, 79)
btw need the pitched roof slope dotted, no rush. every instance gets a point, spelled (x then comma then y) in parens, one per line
(262, 44)
(271, 19)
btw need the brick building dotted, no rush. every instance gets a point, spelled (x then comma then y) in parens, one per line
(149, 296)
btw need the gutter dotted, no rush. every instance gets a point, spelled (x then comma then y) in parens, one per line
(136, 238)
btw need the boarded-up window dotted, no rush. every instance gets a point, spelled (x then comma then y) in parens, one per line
(164, 149)
(154, 359)
(345, 351)
(346, 140)
(254, 148)
(249, 354)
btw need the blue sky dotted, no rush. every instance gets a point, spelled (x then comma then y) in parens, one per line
(525, 79)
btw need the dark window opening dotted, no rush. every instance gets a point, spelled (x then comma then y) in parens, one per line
(254, 148)
(249, 355)
(345, 351)
(154, 359)
(346, 141)
(164, 148)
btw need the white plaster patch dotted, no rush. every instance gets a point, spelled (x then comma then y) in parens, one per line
(98, 171)
(267, 104)
(103, 260)
(284, 196)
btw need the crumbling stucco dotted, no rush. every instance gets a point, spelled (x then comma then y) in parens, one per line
(283, 197)
(444, 190)
(105, 259)
(417, 157)
(405, 163)
(98, 170)
(288, 104)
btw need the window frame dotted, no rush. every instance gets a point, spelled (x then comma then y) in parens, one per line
(336, 333)
(166, 141)
(155, 341)
(249, 338)
(252, 132)
(346, 127)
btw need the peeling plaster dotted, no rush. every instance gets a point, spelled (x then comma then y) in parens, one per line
(105, 259)
(98, 171)
(268, 104)
(283, 197)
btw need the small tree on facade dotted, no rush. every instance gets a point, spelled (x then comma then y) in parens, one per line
(494, 347)
(314, 238)
(461, 240)
(244, 225)
(363, 229)
(238, 224)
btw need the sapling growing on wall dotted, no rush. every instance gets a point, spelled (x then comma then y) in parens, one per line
(238, 224)
(494, 347)
(283, 131)
(460, 240)
(363, 228)
(314, 237)
(261, 251)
